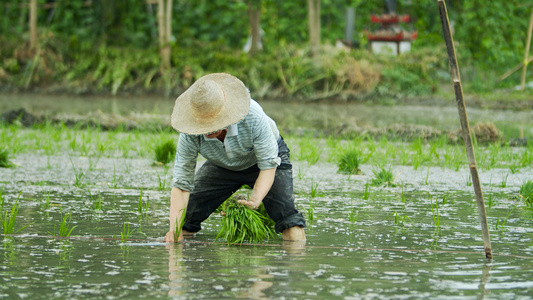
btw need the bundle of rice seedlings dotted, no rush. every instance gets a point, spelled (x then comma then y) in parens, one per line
(165, 152)
(349, 163)
(241, 224)
(383, 177)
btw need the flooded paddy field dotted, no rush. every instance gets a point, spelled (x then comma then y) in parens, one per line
(90, 209)
(417, 236)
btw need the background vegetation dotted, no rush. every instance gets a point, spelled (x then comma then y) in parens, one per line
(112, 47)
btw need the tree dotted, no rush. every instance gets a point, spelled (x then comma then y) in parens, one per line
(254, 12)
(313, 8)
(164, 24)
(34, 42)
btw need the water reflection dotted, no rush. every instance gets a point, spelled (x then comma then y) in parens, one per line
(177, 284)
(242, 272)
(485, 277)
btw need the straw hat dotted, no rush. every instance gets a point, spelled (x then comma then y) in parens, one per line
(213, 102)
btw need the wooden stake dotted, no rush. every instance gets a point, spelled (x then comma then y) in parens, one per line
(526, 52)
(454, 69)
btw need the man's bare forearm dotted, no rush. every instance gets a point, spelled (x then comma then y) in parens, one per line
(262, 186)
(178, 205)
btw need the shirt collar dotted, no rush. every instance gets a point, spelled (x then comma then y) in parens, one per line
(233, 130)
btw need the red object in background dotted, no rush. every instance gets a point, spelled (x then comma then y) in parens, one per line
(389, 19)
(400, 36)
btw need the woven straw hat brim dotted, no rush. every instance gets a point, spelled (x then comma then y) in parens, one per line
(236, 107)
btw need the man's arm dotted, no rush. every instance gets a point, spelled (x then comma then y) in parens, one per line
(262, 185)
(178, 205)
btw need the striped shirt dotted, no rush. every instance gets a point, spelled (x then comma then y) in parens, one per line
(251, 141)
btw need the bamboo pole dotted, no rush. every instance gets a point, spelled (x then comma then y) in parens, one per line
(515, 68)
(526, 52)
(454, 69)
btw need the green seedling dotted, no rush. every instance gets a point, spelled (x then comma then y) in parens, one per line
(435, 212)
(400, 220)
(309, 151)
(240, 224)
(383, 177)
(500, 224)
(311, 211)
(45, 204)
(97, 202)
(5, 161)
(116, 179)
(366, 192)
(526, 192)
(353, 214)
(349, 163)
(126, 232)
(314, 189)
(179, 225)
(9, 216)
(79, 174)
(503, 184)
(2, 200)
(163, 181)
(142, 209)
(64, 227)
(165, 152)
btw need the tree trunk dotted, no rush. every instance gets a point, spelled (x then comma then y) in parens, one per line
(254, 13)
(313, 7)
(164, 18)
(34, 42)
(526, 52)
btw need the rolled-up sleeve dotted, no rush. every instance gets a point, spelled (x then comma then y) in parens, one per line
(265, 145)
(185, 163)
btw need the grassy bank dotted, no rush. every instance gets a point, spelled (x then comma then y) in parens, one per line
(287, 72)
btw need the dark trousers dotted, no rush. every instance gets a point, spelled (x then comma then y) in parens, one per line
(213, 185)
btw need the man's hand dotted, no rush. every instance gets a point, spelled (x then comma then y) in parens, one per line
(253, 204)
(262, 185)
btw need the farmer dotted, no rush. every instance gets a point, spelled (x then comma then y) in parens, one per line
(217, 118)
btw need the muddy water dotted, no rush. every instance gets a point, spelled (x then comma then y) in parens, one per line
(289, 116)
(356, 248)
